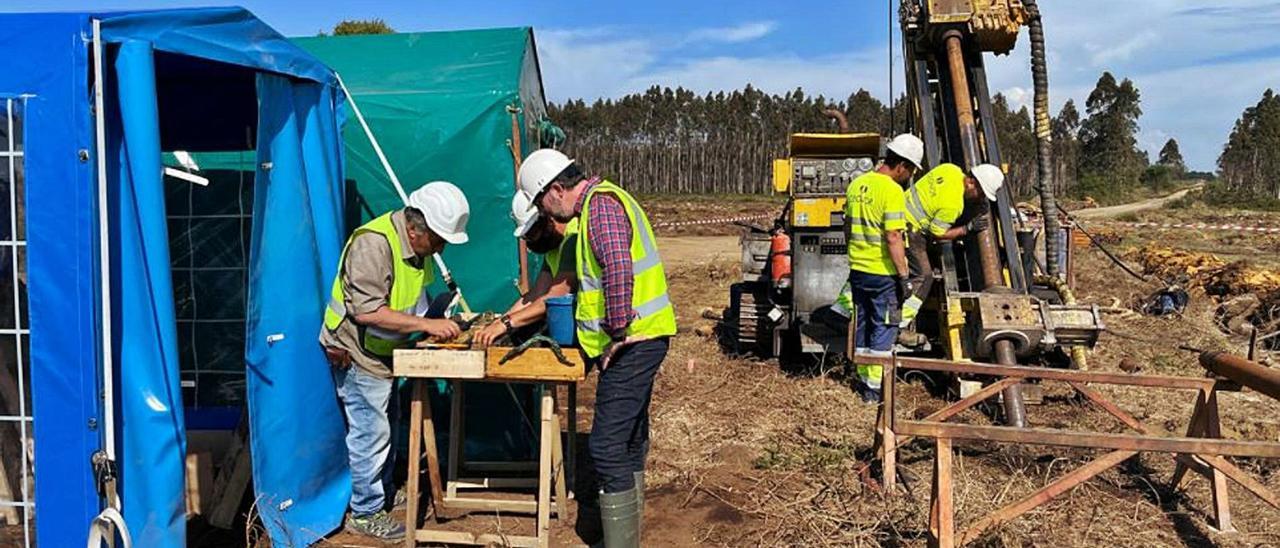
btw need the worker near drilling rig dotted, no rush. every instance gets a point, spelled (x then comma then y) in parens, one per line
(875, 220)
(624, 322)
(933, 205)
(378, 302)
(556, 242)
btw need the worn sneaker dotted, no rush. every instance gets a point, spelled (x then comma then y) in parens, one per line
(379, 525)
(402, 498)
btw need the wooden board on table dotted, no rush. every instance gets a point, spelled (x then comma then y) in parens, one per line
(438, 363)
(535, 364)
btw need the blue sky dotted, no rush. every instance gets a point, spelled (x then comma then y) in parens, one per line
(1198, 63)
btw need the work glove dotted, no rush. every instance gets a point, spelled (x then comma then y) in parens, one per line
(977, 224)
(904, 288)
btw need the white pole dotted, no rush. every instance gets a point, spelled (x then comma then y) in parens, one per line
(104, 246)
(395, 182)
(109, 521)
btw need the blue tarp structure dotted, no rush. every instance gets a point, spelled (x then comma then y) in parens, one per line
(191, 80)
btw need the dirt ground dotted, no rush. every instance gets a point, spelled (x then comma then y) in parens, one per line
(756, 453)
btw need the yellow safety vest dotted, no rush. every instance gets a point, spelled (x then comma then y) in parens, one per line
(553, 257)
(873, 205)
(408, 290)
(654, 315)
(936, 200)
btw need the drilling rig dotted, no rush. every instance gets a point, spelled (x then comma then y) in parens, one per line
(993, 299)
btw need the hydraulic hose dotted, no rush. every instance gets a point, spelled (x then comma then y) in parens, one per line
(1079, 358)
(1044, 139)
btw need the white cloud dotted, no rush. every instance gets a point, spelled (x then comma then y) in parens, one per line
(745, 32)
(1166, 47)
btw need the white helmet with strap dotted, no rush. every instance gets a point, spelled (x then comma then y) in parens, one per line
(539, 169)
(446, 209)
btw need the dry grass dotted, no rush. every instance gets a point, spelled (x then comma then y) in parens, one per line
(745, 454)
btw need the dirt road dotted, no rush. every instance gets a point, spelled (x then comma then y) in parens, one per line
(1144, 205)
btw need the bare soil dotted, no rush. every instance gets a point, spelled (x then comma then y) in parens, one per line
(748, 452)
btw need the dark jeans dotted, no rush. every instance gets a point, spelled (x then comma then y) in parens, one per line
(620, 429)
(919, 268)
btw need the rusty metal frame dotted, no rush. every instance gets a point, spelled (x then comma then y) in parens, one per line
(1202, 450)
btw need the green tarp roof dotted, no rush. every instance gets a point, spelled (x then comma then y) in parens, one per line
(440, 104)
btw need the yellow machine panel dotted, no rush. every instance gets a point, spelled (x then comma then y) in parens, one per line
(834, 145)
(815, 212)
(781, 175)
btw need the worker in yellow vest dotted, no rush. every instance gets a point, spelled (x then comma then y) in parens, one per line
(377, 303)
(556, 242)
(933, 205)
(875, 219)
(624, 322)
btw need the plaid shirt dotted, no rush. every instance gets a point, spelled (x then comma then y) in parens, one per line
(609, 235)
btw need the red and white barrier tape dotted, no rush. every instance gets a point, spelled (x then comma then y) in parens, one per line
(1192, 226)
(715, 221)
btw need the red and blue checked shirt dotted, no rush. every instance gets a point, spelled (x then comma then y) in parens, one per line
(609, 235)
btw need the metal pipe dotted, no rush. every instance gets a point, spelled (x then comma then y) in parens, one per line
(1015, 412)
(1251, 374)
(839, 117)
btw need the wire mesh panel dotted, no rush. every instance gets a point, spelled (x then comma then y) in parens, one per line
(209, 230)
(16, 445)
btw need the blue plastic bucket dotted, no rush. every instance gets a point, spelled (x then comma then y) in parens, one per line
(560, 319)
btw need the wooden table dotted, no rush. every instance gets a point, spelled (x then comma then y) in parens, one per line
(536, 365)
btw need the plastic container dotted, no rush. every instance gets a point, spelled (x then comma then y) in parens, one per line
(560, 322)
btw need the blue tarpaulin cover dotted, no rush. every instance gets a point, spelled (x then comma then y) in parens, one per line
(176, 80)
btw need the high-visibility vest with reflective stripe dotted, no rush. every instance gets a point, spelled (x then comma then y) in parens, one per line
(936, 200)
(554, 256)
(408, 290)
(873, 206)
(653, 314)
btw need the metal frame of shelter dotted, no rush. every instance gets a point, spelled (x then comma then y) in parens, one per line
(1202, 450)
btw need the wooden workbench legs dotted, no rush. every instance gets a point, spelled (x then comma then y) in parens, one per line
(422, 439)
(550, 465)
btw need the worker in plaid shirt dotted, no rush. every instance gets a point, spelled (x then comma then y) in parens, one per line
(624, 323)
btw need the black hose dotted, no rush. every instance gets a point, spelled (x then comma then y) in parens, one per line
(1044, 139)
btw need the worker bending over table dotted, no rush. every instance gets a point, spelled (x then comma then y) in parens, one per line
(378, 301)
(556, 242)
(624, 321)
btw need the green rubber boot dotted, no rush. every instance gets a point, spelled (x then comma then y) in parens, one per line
(640, 500)
(620, 518)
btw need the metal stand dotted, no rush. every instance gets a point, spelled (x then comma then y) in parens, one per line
(1202, 450)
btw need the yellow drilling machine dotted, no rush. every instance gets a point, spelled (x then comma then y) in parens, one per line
(995, 297)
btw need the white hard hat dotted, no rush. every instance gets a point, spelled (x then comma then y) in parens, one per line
(537, 171)
(990, 178)
(446, 209)
(524, 216)
(909, 147)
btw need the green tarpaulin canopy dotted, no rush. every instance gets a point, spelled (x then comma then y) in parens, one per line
(441, 105)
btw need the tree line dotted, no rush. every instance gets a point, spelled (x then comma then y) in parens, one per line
(675, 140)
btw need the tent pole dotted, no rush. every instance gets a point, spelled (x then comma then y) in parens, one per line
(395, 181)
(110, 521)
(516, 157)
